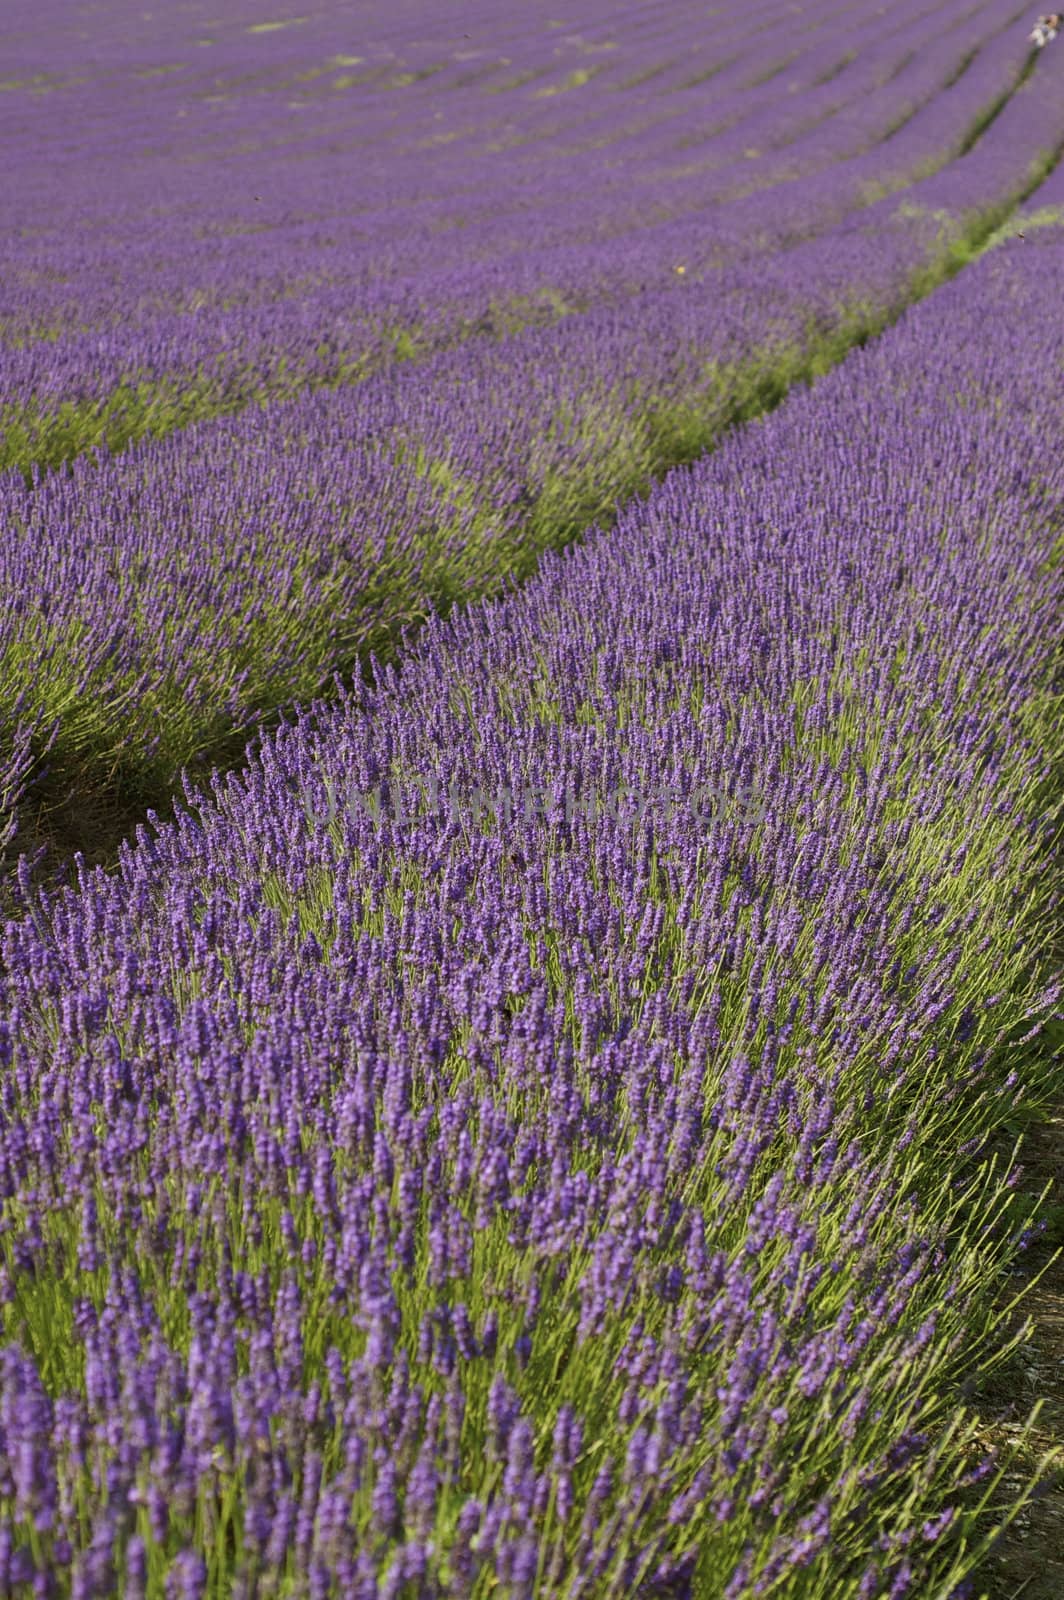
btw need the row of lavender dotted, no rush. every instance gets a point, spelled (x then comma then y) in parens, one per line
(383, 187)
(520, 1135)
(419, 197)
(158, 604)
(558, 213)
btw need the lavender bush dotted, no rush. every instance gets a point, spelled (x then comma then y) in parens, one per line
(405, 1204)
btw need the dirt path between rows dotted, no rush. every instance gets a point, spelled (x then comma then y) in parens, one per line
(1028, 1563)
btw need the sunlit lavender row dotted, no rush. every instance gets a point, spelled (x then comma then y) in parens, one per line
(246, 259)
(580, 1196)
(412, 188)
(191, 586)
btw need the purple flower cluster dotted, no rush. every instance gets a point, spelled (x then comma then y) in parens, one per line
(399, 1208)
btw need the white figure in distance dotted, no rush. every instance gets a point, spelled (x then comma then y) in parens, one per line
(1046, 28)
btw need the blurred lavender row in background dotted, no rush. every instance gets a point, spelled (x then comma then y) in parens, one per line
(158, 605)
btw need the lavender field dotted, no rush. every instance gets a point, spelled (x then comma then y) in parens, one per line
(531, 566)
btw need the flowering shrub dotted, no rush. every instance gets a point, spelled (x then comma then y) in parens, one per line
(402, 1203)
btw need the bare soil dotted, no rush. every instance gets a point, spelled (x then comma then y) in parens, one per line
(1028, 1562)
